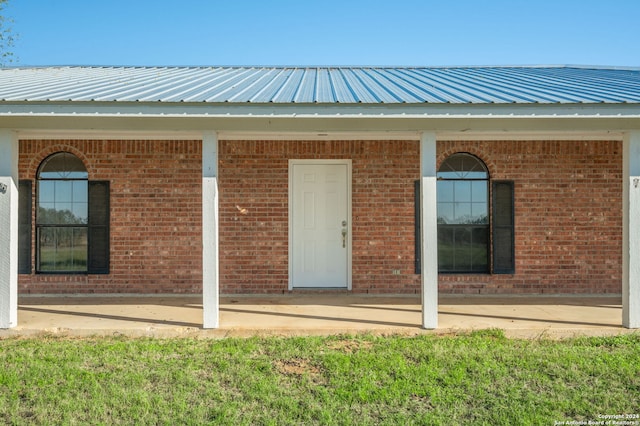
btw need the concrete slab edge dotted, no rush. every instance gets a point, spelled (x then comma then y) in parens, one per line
(197, 333)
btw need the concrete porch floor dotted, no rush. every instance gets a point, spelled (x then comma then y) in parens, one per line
(316, 314)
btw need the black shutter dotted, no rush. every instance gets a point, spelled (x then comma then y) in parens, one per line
(98, 227)
(418, 236)
(24, 226)
(503, 228)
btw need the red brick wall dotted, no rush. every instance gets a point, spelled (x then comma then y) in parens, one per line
(568, 209)
(568, 214)
(156, 204)
(254, 246)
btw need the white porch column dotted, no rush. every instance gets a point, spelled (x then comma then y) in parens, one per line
(631, 230)
(210, 274)
(8, 229)
(429, 227)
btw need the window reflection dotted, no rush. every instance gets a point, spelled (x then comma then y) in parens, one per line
(62, 202)
(62, 214)
(463, 215)
(62, 249)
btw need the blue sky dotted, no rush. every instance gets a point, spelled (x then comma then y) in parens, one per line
(328, 32)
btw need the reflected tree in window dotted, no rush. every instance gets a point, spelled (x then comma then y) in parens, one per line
(463, 214)
(62, 214)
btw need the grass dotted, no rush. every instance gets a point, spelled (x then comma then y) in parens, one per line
(479, 378)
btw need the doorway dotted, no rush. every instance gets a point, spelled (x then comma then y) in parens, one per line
(320, 224)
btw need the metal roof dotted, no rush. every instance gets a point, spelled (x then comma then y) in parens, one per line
(323, 85)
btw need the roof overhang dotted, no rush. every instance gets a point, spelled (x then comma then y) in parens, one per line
(286, 110)
(319, 119)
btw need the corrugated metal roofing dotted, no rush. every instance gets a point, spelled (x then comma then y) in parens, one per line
(323, 85)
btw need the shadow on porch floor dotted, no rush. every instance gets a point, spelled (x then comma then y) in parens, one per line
(168, 316)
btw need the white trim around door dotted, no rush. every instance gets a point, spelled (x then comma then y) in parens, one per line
(320, 228)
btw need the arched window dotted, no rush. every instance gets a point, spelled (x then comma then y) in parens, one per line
(71, 222)
(463, 215)
(62, 214)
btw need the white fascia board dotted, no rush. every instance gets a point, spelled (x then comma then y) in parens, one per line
(542, 135)
(389, 121)
(416, 135)
(289, 110)
(320, 125)
(106, 134)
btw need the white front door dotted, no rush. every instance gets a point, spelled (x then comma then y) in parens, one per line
(320, 229)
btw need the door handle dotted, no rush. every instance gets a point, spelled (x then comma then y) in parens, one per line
(344, 234)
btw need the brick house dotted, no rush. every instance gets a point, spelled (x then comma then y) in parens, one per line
(503, 180)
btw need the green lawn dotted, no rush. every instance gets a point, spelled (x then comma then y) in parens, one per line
(480, 378)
